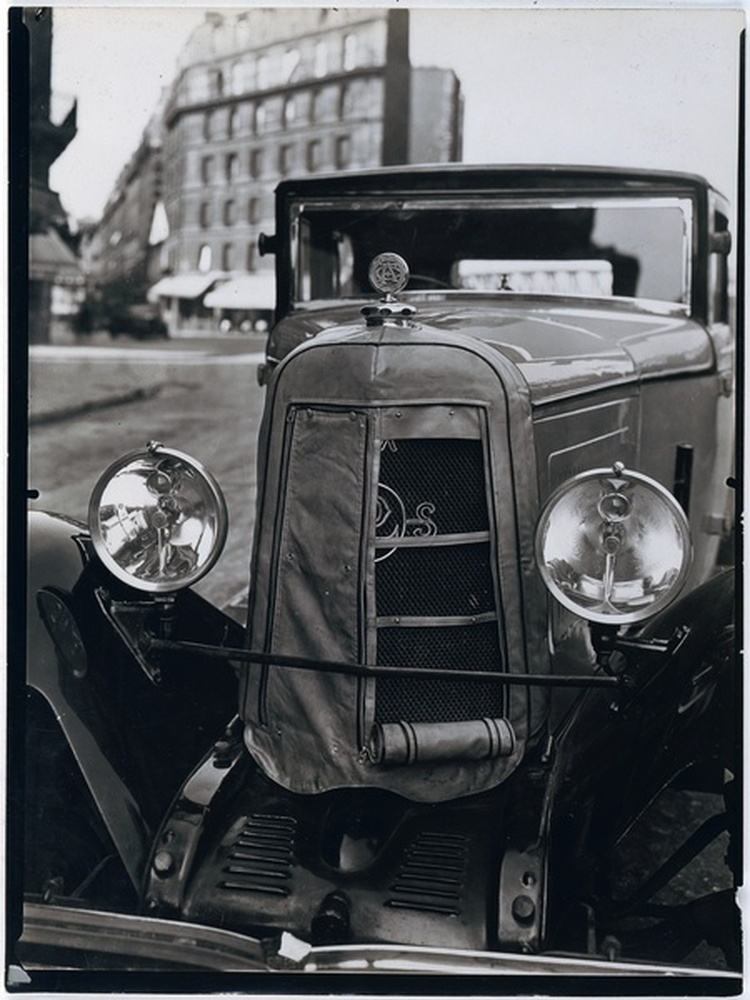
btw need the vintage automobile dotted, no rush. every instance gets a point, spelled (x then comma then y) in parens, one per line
(490, 616)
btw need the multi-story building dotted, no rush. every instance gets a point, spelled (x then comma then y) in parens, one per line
(266, 93)
(121, 252)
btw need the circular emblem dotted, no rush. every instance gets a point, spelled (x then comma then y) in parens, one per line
(388, 273)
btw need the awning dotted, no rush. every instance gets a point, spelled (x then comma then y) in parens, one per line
(51, 260)
(248, 291)
(183, 286)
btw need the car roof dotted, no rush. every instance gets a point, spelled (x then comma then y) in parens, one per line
(450, 177)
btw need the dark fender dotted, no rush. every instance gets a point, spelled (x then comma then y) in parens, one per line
(55, 559)
(133, 738)
(615, 753)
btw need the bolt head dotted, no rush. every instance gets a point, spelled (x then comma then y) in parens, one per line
(523, 909)
(163, 863)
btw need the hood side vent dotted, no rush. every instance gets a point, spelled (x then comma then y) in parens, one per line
(432, 876)
(262, 856)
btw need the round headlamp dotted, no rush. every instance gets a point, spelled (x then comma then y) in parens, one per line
(157, 519)
(613, 546)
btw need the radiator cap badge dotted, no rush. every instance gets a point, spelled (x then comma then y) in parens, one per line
(388, 273)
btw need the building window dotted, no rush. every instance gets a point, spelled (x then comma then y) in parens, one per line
(232, 167)
(316, 105)
(289, 64)
(208, 125)
(343, 151)
(253, 210)
(346, 103)
(264, 74)
(286, 159)
(313, 156)
(230, 212)
(350, 51)
(205, 215)
(237, 76)
(289, 112)
(233, 122)
(218, 83)
(256, 163)
(227, 257)
(259, 118)
(204, 258)
(251, 257)
(321, 59)
(207, 169)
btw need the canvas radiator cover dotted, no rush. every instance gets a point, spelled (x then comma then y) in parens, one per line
(332, 409)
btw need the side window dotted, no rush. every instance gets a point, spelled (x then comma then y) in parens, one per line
(719, 269)
(324, 263)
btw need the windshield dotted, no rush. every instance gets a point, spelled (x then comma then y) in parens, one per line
(626, 247)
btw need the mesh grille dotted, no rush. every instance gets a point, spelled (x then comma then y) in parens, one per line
(448, 474)
(440, 581)
(430, 488)
(473, 647)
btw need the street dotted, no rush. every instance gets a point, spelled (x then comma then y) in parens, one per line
(90, 404)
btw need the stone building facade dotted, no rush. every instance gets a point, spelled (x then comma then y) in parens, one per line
(260, 95)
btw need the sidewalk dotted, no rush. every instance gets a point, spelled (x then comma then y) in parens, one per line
(98, 372)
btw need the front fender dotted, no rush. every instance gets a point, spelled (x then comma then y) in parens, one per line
(56, 562)
(698, 689)
(615, 754)
(134, 732)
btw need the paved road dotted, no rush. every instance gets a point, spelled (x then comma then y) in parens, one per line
(89, 404)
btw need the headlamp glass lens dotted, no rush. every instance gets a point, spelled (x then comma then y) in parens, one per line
(158, 520)
(613, 546)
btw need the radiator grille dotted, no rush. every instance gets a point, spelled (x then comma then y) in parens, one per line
(440, 581)
(434, 699)
(435, 597)
(446, 473)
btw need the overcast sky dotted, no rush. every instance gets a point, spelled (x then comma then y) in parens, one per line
(631, 87)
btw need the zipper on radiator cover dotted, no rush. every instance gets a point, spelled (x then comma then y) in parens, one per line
(369, 489)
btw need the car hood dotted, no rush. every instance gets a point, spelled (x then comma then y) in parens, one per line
(560, 348)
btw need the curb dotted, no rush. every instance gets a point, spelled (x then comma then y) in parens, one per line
(79, 409)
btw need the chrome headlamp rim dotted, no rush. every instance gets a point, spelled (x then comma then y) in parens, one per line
(156, 450)
(617, 470)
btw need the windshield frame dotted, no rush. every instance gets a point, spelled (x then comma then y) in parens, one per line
(376, 203)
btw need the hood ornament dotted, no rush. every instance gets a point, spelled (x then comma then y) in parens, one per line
(388, 274)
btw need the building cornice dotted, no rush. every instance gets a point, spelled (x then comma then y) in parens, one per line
(298, 86)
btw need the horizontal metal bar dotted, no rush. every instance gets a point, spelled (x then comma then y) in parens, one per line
(361, 670)
(432, 541)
